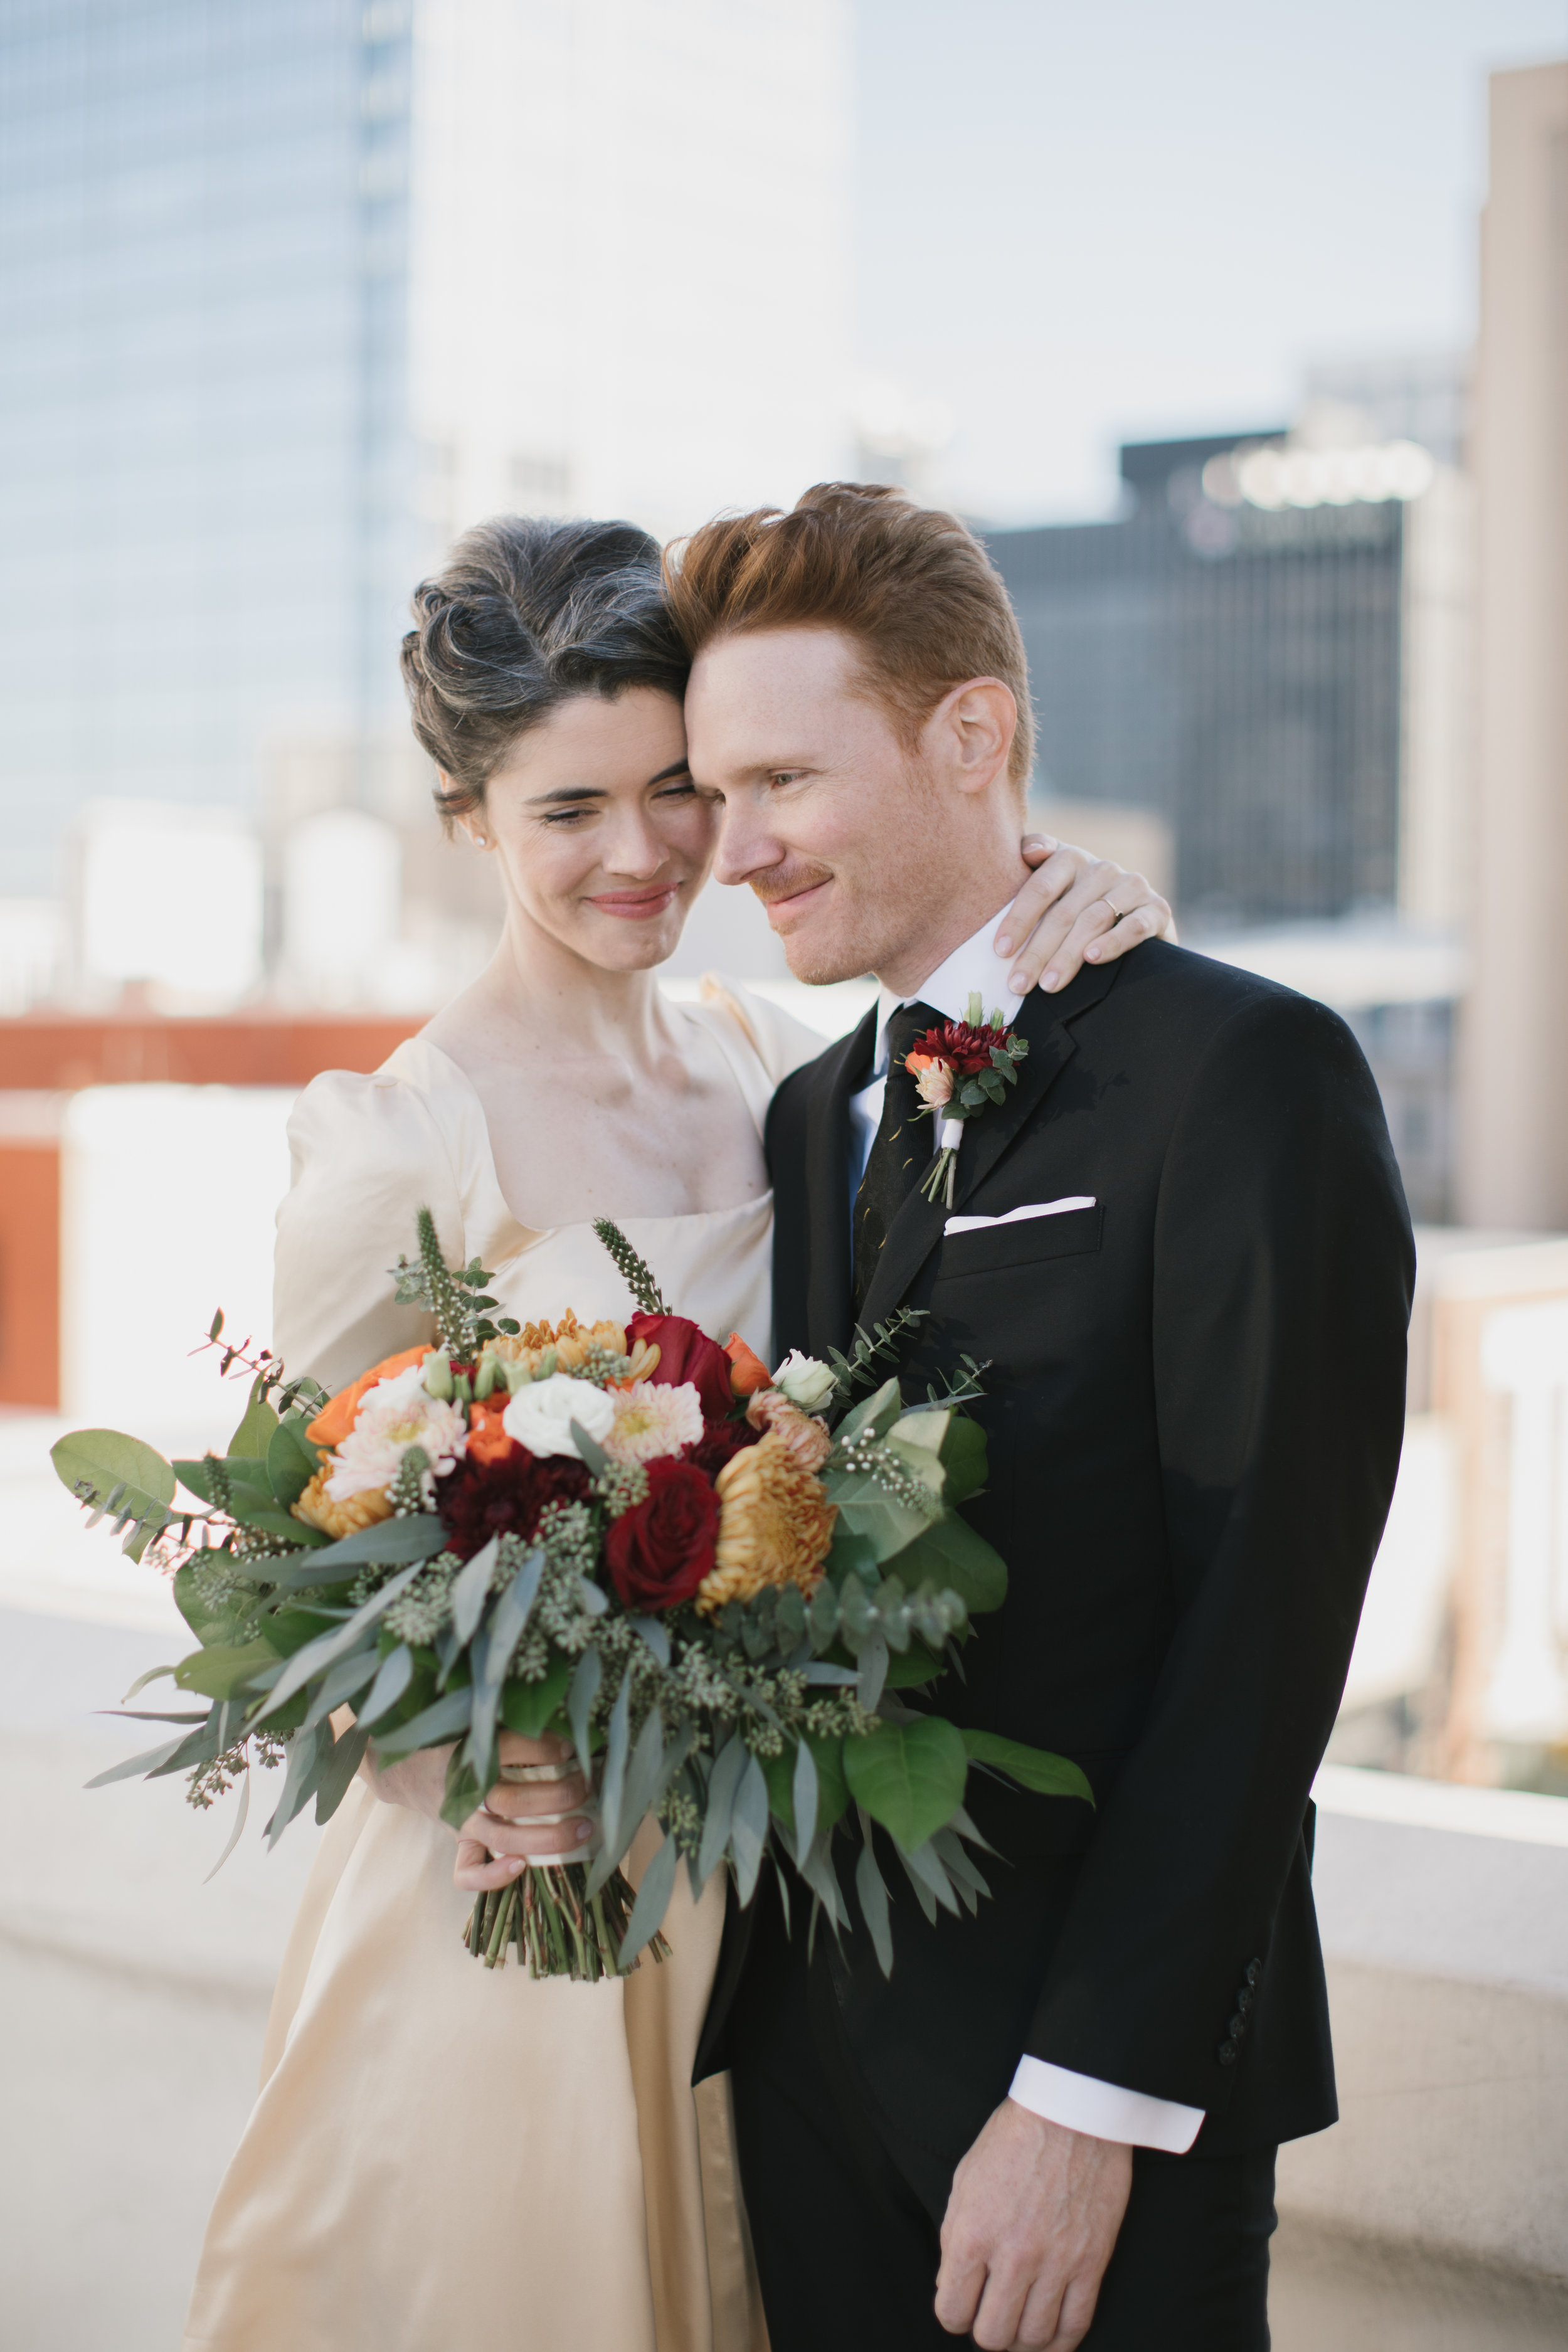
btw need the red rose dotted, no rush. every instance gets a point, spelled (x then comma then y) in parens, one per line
(685, 1353)
(659, 1554)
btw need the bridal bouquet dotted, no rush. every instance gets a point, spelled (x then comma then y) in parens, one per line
(718, 1582)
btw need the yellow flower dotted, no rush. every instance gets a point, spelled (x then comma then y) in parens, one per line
(570, 1340)
(318, 1509)
(775, 1525)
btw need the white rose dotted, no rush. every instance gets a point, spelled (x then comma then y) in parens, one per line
(806, 1380)
(541, 1414)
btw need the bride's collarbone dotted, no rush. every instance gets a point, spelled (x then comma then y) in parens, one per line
(562, 1154)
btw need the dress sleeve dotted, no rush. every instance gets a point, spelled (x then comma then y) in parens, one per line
(367, 1155)
(781, 1043)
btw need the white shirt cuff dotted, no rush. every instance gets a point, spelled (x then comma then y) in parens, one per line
(1104, 2110)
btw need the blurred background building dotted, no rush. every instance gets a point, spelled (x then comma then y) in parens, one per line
(294, 289)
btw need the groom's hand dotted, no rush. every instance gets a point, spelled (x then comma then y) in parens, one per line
(1030, 2224)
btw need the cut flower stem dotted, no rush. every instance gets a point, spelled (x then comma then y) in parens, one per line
(556, 1926)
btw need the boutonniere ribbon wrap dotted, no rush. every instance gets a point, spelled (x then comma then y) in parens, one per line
(961, 1068)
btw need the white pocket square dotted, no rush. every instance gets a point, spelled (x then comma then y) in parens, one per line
(1020, 1216)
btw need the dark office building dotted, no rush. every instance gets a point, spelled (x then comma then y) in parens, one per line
(1235, 668)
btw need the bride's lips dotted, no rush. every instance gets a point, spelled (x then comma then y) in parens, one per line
(636, 905)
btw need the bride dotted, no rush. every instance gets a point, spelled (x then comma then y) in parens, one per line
(439, 2152)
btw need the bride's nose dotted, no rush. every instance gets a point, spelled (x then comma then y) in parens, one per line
(632, 847)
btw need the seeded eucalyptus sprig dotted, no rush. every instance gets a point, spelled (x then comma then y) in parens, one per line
(639, 1279)
(884, 1341)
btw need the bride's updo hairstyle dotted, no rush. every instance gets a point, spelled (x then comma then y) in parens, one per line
(526, 615)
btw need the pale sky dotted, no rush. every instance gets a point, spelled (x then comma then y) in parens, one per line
(1084, 221)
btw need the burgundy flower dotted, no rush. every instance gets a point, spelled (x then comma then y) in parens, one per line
(477, 1500)
(685, 1353)
(659, 1554)
(964, 1048)
(719, 1441)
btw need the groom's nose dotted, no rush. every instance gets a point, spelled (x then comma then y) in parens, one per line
(747, 845)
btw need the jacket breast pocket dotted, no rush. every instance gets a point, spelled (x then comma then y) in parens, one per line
(991, 1249)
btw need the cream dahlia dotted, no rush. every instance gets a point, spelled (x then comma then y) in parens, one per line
(393, 1415)
(652, 1420)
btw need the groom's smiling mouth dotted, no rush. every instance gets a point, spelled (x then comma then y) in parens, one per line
(636, 905)
(790, 897)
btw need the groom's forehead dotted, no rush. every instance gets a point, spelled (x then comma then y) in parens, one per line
(754, 696)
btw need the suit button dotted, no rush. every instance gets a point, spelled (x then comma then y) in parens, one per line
(1254, 1970)
(1227, 2053)
(1245, 1998)
(1237, 2027)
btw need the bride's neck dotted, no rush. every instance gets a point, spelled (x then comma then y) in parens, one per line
(534, 985)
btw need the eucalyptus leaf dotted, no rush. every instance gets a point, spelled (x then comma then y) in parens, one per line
(316, 1656)
(874, 1416)
(804, 1793)
(909, 1777)
(92, 1462)
(341, 1682)
(871, 1889)
(723, 1783)
(256, 1430)
(611, 1784)
(393, 1678)
(1032, 1768)
(308, 1753)
(652, 1903)
(471, 1590)
(152, 1674)
(952, 1557)
(585, 1679)
(508, 1621)
(873, 1669)
(242, 1815)
(925, 1869)
(292, 1460)
(963, 1458)
(652, 1633)
(748, 1829)
(339, 1770)
(223, 1669)
(644, 1774)
(390, 1543)
(529, 1708)
(595, 1459)
(148, 1762)
(432, 1727)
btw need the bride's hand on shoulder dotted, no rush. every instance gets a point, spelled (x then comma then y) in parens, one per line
(1075, 909)
(517, 1818)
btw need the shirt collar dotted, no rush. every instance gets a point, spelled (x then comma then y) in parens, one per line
(974, 969)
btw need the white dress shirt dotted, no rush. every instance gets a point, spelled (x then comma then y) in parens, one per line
(1079, 2101)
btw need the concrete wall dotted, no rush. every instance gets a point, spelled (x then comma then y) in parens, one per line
(1444, 1923)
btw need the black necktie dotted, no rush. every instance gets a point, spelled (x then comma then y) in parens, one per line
(900, 1150)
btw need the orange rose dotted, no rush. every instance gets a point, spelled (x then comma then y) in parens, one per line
(336, 1418)
(488, 1441)
(748, 1374)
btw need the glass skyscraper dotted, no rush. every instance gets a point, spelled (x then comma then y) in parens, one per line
(203, 437)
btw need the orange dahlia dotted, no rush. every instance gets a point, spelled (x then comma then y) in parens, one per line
(775, 1525)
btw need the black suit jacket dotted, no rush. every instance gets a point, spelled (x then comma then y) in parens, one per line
(1195, 1410)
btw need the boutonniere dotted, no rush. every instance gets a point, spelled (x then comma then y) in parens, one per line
(960, 1068)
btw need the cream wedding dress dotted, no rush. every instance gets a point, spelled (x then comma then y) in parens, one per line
(442, 2155)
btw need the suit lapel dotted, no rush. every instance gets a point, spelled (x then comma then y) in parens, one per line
(842, 1071)
(917, 1229)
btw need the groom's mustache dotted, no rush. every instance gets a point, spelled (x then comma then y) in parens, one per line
(787, 881)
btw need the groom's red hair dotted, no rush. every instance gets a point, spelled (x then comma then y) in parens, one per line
(914, 587)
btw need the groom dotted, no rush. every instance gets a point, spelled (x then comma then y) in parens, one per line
(1181, 1247)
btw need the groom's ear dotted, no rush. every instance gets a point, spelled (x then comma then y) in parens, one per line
(968, 735)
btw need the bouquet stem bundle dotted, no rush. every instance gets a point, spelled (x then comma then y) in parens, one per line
(555, 1924)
